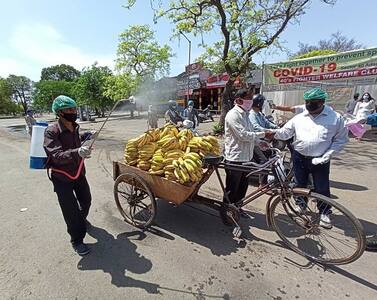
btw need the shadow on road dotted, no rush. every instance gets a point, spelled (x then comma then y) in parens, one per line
(116, 256)
(347, 186)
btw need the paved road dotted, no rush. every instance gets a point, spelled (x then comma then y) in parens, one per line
(189, 255)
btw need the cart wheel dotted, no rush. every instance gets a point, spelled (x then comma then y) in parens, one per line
(227, 212)
(134, 200)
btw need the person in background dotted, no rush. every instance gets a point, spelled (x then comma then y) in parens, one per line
(350, 105)
(30, 121)
(240, 140)
(62, 144)
(260, 123)
(207, 112)
(257, 118)
(191, 114)
(172, 115)
(319, 133)
(152, 117)
(365, 107)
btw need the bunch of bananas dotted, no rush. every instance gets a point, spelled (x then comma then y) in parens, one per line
(204, 145)
(145, 154)
(171, 153)
(184, 138)
(131, 152)
(168, 130)
(187, 168)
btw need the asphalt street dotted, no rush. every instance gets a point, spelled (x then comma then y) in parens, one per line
(189, 253)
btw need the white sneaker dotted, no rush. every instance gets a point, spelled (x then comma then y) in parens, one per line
(325, 221)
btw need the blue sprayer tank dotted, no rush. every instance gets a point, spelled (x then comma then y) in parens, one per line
(38, 155)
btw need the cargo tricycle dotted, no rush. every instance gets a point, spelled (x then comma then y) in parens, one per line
(136, 192)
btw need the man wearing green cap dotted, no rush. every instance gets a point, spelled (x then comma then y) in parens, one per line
(65, 153)
(318, 133)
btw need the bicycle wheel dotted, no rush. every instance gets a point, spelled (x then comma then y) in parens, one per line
(134, 200)
(301, 231)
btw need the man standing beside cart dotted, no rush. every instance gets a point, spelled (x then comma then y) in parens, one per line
(319, 133)
(65, 153)
(172, 114)
(240, 140)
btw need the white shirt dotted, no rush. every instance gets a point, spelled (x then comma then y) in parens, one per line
(315, 135)
(364, 109)
(240, 137)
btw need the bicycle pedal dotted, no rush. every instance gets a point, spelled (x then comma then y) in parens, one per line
(237, 232)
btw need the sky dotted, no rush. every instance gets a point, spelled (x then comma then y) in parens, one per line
(40, 33)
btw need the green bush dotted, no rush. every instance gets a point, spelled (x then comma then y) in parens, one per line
(218, 129)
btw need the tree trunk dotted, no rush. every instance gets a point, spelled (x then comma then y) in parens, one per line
(226, 101)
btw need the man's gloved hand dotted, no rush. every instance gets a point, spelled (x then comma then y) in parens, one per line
(89, 135)
(85, 152)
(324, 159)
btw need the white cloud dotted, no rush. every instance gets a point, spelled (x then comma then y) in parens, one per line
(33, 47)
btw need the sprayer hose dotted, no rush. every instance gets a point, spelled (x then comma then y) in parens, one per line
(69, 175)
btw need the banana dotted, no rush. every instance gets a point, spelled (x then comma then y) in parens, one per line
(190, 168)
(176, 164)
(185, 175)
(192, 155)
(193, 164)
(169, 168)
(159, 172)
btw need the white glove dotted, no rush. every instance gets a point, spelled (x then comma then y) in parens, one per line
(324, 159)
(94, 134)
(85, 151)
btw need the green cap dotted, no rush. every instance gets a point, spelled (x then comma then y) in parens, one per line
(62, 102)
(315, 94)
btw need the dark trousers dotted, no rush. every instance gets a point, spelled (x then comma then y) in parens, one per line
(302, 167)
(260, 157)
(74, 200)
(236, 184)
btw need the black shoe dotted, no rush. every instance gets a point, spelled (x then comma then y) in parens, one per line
(371, 244)
(81, 249)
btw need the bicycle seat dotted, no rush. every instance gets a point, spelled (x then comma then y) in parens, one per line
(212, 160)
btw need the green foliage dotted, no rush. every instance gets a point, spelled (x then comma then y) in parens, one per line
(21, 88)
(140, 55)
(218, 129)
(89, 89)
(7, 106)
(120, 86)
(314, 53)
(45, 91)
(60, 72)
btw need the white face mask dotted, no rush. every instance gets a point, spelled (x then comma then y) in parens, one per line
(365, 98)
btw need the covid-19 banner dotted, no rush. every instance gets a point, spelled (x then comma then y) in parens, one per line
(348, 68)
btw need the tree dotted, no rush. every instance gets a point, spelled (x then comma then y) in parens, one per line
(89, 89)
(21, 89)
(337, 43)
(246, 27)
(7, 106)
(60, 72)
(140, 55)
(46, 91)
(120, 86)
(314, 53)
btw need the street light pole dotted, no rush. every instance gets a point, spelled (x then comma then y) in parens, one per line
(189, 62)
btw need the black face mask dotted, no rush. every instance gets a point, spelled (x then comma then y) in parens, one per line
(312, 106)
(70, 117)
